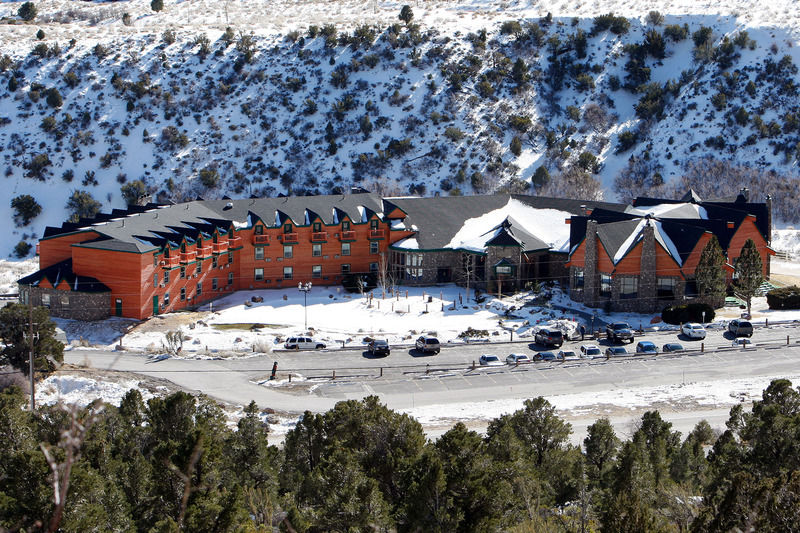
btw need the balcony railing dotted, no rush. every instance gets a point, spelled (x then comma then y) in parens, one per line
(289, 237)
(319, 236)
(204, 251)
(234, 242)
(375, 233)
(220, 247)
(187, 257)
(261, 239)
(348, 236)
(169, 262)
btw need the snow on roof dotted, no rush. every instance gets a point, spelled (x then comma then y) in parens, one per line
(397, 223)
(684, 210)
(666, 242)
(409, 243)
(635, 236)
(335, 215)
(240, 225)
(362, 212)
(541, 223)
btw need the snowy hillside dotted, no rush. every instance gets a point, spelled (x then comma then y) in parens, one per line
(120, 102)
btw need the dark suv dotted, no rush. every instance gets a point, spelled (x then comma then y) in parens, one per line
(740, 328)
(379, 347)
(549, 337)
(619, 331)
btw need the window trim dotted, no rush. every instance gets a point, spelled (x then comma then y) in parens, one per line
(258, 274)
(346, 249)
(288, 272)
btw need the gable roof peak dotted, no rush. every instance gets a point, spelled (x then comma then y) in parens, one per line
(692, 197)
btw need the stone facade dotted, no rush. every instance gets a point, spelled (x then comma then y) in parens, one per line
(68, 304)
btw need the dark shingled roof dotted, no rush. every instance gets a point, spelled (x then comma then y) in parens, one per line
(438, 219)
(614, 234)
(512, 234)
(62, 271)
(150, 227)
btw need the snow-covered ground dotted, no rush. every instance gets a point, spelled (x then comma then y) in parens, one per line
(82, 391)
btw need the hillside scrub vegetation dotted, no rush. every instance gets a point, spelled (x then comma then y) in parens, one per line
(408, 106)
(173, 463)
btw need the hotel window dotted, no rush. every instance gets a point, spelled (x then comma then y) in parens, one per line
(287, 228)
(199, 288)
(605, 285)
(317, 227)
(230, 258)
(577, 279)
(259, 229)
(166, 299)
(629, 288)
(230, 278)
(183, 272)
(214, 284)
(288, 273)
(259, 274)
(155, 279)
(287, 251)
(345, 248)
(345, 269)
(666, 288)
(155, 260)
(183, 293)
(166, 277)
(316, 271)
(46, 300)
(413, 266)
(345, 225)
(373, 268)
(373, 224)
(65, 301)
(316, 250)
(199, 269)
(373, 247)
(259, 253)
(214, 262)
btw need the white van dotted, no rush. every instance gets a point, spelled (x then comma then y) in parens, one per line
(303, 343)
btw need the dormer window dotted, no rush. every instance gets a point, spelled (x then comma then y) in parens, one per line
(259, 230)
(287, 228)
(317, 227)
(373, 224)
(345, 225)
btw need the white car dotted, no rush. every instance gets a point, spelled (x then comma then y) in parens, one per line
(517, 359)
(567, 355)
(693, 330)
(590, 350)
(742, 343)
(303, 343)
(490, 360)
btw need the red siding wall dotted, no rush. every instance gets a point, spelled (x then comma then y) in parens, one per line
(56, 249)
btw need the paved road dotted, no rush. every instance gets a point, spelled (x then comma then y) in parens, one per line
(412, 380)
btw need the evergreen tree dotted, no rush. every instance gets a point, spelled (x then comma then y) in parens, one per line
(156, 5)
(26, 208)
(601, 445)
(406, 14)
(710, 271)
(749, 272)
(14, 330)
(27, 11)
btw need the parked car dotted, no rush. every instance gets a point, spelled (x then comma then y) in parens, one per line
(693, 330)
(566, 355)
(619, 331)
(672, 347)
(428, 344)
(517, 359)
(740, 328)
(590, 350)
(379, 347)
(646, 348)
(547, 356)
(303, 343)
(742, 343)
(616, 351)
(490, 360)
(549, 337)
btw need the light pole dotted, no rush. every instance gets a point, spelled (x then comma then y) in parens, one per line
(304, 288)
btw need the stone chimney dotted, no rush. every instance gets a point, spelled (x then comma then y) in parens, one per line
(591, 282)
(648, 286)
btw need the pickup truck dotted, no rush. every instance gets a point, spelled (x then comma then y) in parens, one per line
(619, 331)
